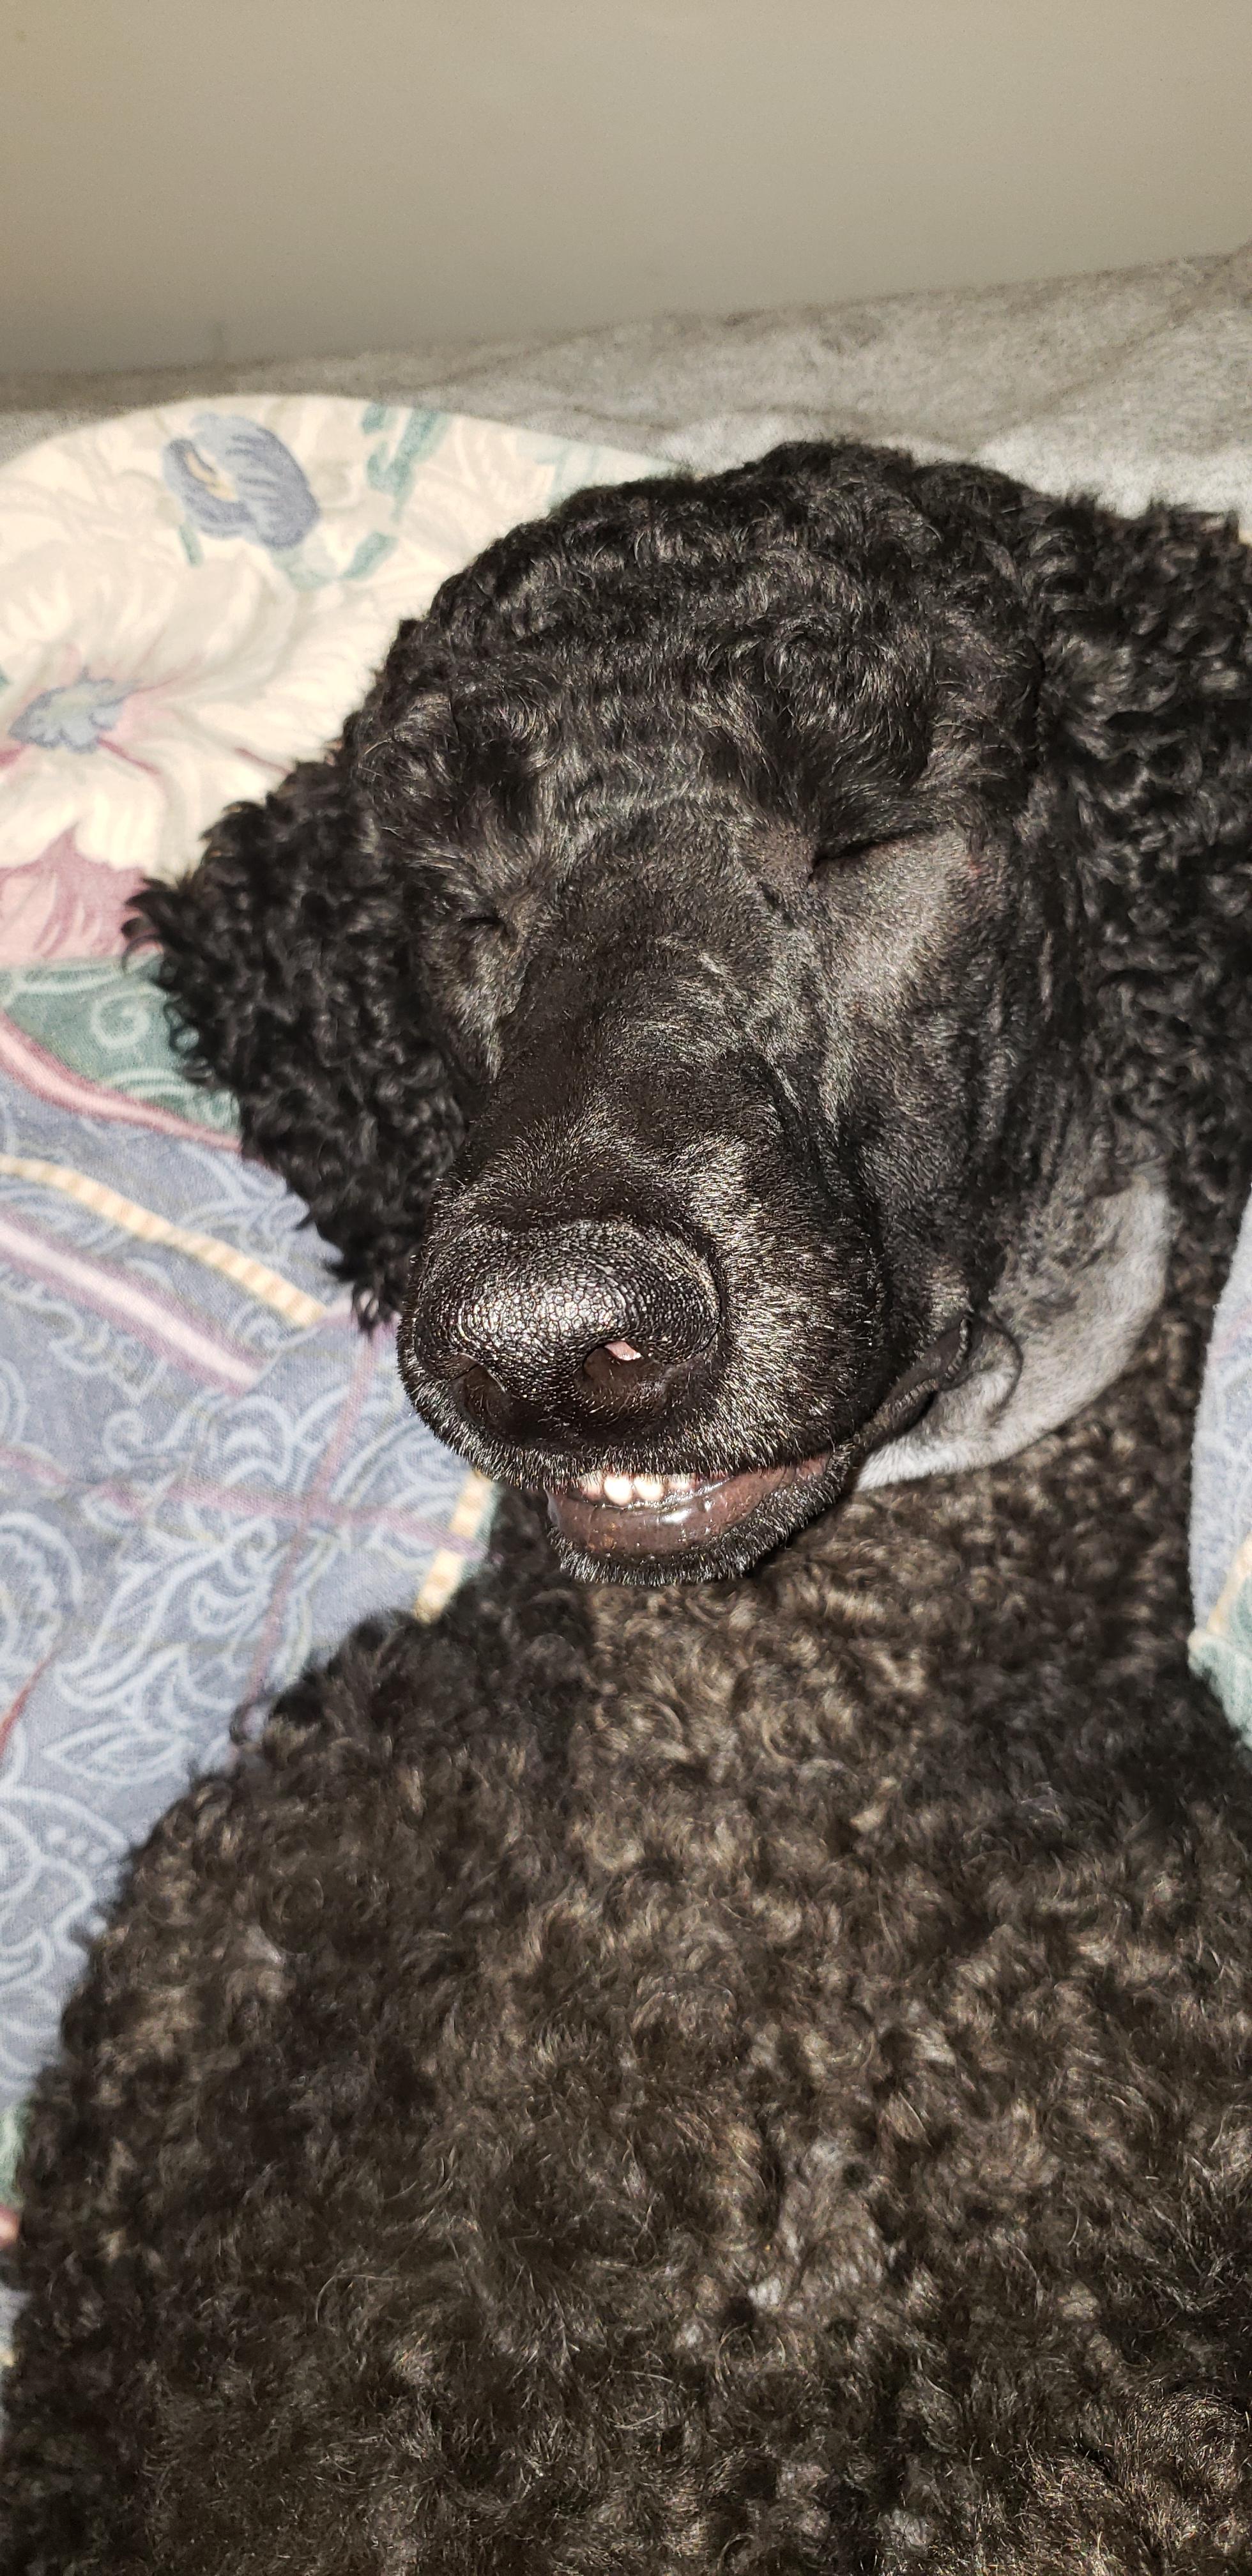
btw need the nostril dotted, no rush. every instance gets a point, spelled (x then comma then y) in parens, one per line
(637, 1386)
(613, 1367)
(483, 1396)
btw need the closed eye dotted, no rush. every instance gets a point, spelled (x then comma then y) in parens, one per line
(843, 854)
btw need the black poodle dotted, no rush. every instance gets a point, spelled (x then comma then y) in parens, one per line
(688, 2073)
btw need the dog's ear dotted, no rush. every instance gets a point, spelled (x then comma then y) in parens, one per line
(289, 957)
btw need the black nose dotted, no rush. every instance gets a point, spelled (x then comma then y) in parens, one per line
(561, 1327)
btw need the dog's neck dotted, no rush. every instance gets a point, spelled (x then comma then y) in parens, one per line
(1061, 1325)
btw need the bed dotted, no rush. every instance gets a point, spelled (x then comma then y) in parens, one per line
(207, 1473)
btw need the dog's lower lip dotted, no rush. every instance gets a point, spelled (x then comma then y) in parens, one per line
(680, 1521)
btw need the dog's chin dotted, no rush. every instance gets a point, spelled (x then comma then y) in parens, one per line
(719, 1527)
(702, 1529)
(692, 1528)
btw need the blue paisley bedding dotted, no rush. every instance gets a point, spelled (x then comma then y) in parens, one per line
(206, 1473)
(1221, 1499)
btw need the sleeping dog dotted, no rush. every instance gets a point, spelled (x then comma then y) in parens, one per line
(744, 2065)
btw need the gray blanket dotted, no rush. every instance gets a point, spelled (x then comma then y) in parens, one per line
(1128, 384)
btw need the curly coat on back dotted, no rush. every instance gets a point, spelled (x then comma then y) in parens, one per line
(745, 2066)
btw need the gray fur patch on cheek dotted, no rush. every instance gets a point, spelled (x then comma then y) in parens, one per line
(1064, 1325)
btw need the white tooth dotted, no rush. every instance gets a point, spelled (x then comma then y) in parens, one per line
(681, 1484)
(617, 1489)
(593, 1488)
(650, 1489)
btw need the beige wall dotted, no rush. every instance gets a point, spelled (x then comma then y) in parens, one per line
(186, 179)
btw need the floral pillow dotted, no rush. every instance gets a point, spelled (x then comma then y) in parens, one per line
(192, 599)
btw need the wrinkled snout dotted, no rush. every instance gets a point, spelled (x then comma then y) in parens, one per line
(640, 1293)
(555, 1332)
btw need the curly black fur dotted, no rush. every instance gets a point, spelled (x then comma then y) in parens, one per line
(749, 2077)
(840, 640)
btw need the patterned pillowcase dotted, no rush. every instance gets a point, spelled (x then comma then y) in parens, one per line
(1221, 1499)
(207, 1473)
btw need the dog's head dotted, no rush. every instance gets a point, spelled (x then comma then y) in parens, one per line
(667, 997)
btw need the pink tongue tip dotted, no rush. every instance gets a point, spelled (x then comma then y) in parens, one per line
(623, 1351)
